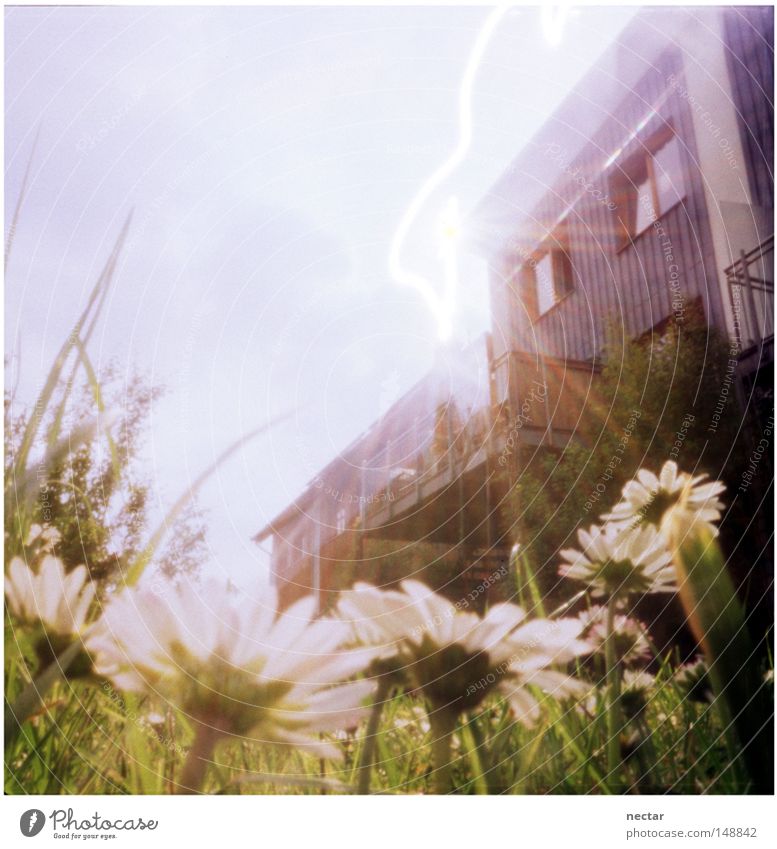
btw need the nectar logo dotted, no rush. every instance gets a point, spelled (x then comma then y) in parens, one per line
(31, 822)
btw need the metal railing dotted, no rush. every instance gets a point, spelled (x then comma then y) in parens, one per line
(442, 442)
(751, 291)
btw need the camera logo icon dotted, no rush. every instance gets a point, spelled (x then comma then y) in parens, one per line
(31, 822)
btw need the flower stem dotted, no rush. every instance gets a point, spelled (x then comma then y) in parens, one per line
(443, 724)
(613, 700)
(367, 757)
(33, 694)
(719, 623)
(197, 760)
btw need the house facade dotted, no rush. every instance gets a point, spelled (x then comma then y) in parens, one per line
(647, 196)
(648, 193)
(407, 498)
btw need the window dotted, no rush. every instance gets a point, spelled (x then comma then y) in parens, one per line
(553, 279)
(646, 210)
(502, 379)
(543, 275)
(668, 176)
(649, 184)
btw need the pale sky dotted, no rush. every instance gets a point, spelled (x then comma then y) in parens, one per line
(269, 155)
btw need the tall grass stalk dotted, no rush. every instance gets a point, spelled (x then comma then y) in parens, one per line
(614, 722)
(21, 483)
(717, 619)
(367, 757)
(528, 593)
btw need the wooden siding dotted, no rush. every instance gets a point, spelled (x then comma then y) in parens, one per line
(443, 418)
(547, 397)
(628, 284)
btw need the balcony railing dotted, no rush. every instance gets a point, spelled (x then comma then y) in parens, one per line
(751, 290)
(431, 448)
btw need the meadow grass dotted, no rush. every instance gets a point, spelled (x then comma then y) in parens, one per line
(69, 730)
(88, 739)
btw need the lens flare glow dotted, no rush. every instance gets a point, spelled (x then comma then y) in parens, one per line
(443, 304)
(553, 19)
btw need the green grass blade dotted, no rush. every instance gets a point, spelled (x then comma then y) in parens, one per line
(53, 379)
(9, 240)
(717, 619)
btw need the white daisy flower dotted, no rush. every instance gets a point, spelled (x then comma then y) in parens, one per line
(647, 499)
(235, 665)
(617, 561)
(693, 679)
(636, 691)
(58, 600)
(456, 658)
(631, 644)
(45, 538)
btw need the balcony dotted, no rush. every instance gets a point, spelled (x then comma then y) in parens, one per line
(751, 291)
(424, 483)
(541, 399)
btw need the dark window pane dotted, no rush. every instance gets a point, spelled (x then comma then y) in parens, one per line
(563, 277)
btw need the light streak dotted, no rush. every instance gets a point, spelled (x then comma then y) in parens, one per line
(450, 229)
(443, 305)
(553, 19)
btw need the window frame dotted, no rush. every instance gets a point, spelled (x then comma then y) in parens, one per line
(546, 255)
(624, 182)
(554, 245)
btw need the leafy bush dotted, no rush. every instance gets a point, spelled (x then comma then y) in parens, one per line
(654, 400)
